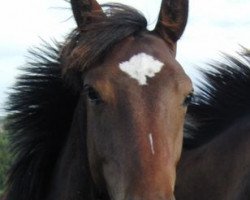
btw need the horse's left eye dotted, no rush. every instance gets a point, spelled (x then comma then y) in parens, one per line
(92, 94)
(188, 99)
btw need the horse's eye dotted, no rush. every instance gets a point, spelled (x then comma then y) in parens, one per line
(188, 99)
(92, 94)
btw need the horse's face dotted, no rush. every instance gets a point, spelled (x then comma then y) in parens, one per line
(135, 98)
(136, 103)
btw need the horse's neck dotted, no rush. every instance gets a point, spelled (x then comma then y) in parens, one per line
(221, 160)
(231, 141)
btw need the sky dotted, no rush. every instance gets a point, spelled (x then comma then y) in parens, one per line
(214, 26)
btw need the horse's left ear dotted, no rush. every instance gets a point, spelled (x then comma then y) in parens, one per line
(82, 9)
(172, 19)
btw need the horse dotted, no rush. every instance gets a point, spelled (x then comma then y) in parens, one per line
(101, 115)
(215, 162)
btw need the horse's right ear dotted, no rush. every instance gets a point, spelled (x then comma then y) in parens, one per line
(172, 19)
(82, 9)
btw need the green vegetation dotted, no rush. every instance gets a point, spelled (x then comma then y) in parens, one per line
(5, 157)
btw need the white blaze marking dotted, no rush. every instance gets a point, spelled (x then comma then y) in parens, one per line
(141, 66)
(150, 137)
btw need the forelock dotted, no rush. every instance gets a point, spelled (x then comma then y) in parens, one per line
(89, 44)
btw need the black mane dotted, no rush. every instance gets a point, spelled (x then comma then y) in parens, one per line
(42, 102)
(41, 108)
(223, 98)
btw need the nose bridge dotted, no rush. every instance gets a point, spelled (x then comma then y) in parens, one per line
(156, 170)
(157, 165)
(151, 127)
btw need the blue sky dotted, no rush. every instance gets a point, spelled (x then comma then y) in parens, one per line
(214, 26)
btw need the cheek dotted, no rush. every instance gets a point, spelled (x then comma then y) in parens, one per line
(179, 134)
(115, 180)
(95, 143)
(104, 157)
(101, 133)
(96, 139)
(93, 159)
(99, 151)
(175, 129)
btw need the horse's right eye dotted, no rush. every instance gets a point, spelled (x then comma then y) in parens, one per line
(188, 99)
(92, 94)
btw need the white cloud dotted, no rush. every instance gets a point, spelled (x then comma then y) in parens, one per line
(214, 27)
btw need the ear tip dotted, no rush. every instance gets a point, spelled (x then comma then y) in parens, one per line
(172, 19)
(80, 7)
(95, 5)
